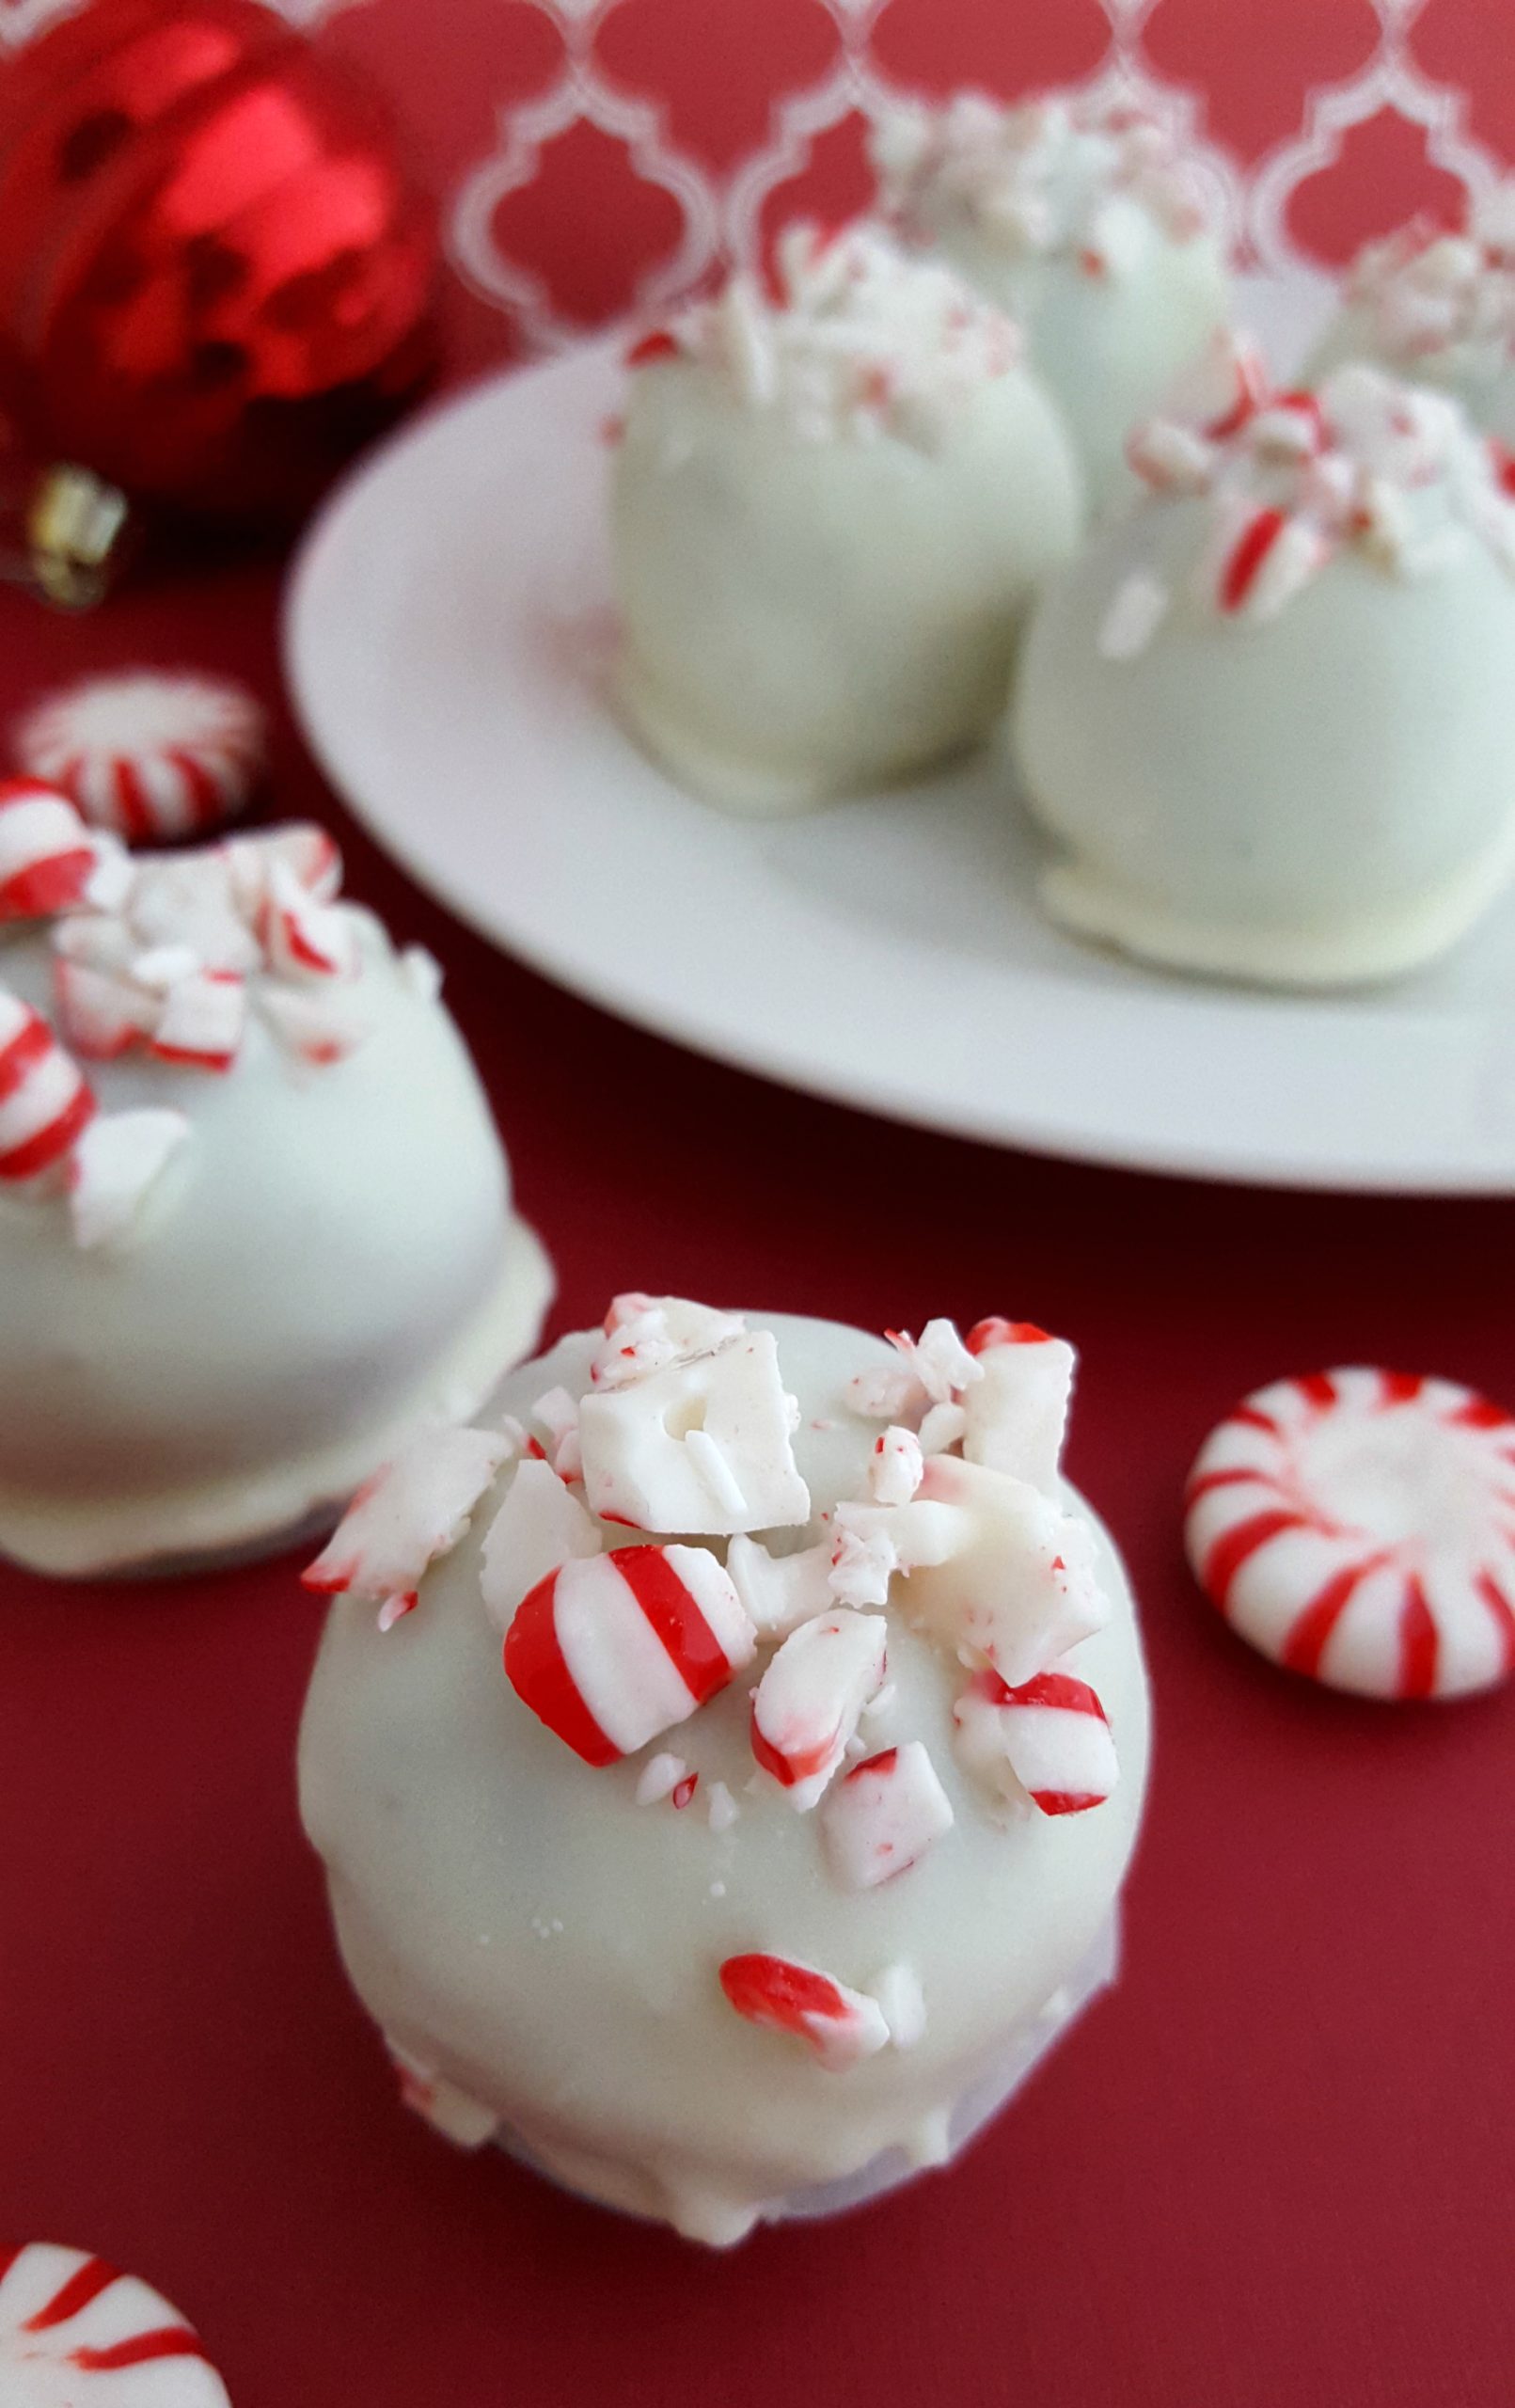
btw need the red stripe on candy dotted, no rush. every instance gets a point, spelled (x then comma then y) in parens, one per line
(1232, 1548)
(1504, 1614)
(139, 2349)
(1064, 1801)
(1478, 1414)
(536, 1669)
(1251, 1416)
(1320, 1389)
(1205, 1482)
(52, 1143)
(789, 1771)
(768, 1990)
(31, 1045)
(1305, 1643)
(47, 886)
(1418, 1644)
(207, 801)
(135, 810)
(1058, 1689)
(1401, 1387)
(675, 1616)
(1248, 554)
(658, 345)
(85, 2284)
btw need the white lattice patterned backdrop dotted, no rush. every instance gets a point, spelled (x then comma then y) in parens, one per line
(598, 157)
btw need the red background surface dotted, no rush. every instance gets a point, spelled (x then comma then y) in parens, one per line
(1275, 2166)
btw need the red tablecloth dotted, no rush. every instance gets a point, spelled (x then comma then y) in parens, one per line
(1274, 2167)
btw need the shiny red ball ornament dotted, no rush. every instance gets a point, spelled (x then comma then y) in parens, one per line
(215, 276)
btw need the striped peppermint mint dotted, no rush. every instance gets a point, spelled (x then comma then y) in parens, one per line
(73, 2330)
(1358, 1526)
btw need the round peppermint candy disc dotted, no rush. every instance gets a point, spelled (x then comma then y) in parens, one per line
(1359, 1527)
(76, 2333)
(149, 753)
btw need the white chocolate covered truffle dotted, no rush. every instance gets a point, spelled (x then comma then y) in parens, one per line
(789, 1830)
(255, 1220)
(1268, 719)
(1439, 308)
(1081, 219)
(828, 515)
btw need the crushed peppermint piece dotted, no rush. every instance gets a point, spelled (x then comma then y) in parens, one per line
(413, 1511)
(1047, 1740)
(1394, 471)
(659, 1778)
(863, 340)
(1020, 1587)
(1074, 176)
(780, 1592)
(1135, 613)
(895, 1466)
(1015, 1419)
(720, 1807)
(46, 1101)
(540, 1525)
(805, 1708)
(610, 1651)
(901, 2003)
(116, 1160)
(741, 1476)
(841, 2026)
(883, 1814)
(73, 2330)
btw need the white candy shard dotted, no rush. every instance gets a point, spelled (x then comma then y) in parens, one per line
(806, 1707)
(780, 1592)
(1015, 1419)
(1047, 1740)
(895, 1466)
(304, 937)
(658, 1778)
(942, 1429)
(901, 2003)
(204, 1015)
(871, 1543)
(883, 1814)
(638, 1468)
(115, 1164)
(448, 2110)
(408, 1514)
(939, 1359)
(1020, 1588)
(721, 1807)
(888, 1392)
(422, 974)
(1137, 611)
(540, 1525)
(556, 1415)
(319, 1024)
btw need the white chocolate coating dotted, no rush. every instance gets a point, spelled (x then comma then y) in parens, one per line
(1319, 793)
(817, 599)
(331, 1262)
(1084, 227)
(549, 1949)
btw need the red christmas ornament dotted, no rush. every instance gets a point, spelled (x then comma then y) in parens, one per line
(215, 277)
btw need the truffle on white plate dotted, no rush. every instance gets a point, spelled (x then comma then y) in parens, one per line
(1267, 720)
(829, 510)
(255, 1219)
(1083, 219)
(719, 1914)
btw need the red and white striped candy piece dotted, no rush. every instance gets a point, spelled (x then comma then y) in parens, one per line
(49, 861)
(45, 1102)
(150, 754)
(1016, 1415)
(1358, 1526)
(73, 2331)
(201, 1021)
(809, 1700)
(610, 1651)
(1048, 1739)
(1021, 1586)
(410, 1514)
(840, 2026)
(1262, 557)
(883, 1814)
(305, 938)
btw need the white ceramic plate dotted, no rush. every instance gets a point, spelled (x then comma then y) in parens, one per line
(448, 638)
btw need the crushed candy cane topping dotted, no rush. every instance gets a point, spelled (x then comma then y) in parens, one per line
(173, 956)
(635, 1578)
(1394, 472)
(1072, 175)
(863, 341)
(1434, 295)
